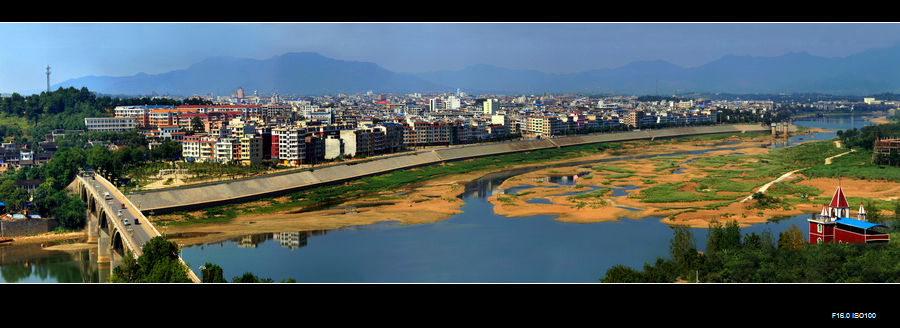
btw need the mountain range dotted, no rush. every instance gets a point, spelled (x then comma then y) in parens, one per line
(870, 72)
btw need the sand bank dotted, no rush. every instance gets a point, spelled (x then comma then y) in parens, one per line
(438, 199)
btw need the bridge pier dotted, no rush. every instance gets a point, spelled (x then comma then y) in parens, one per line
(92, 227)
(103, 246)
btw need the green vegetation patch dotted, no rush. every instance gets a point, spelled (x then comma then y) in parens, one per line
(590, 199)
(718, 161)
(672, 193)
(612, 168)
(856, 165)
(720, 183)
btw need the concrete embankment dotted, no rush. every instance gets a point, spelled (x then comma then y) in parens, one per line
(240, 190)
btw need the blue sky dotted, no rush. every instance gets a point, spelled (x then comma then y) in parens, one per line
(75, 50)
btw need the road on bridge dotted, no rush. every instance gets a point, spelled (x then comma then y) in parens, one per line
(138, 232)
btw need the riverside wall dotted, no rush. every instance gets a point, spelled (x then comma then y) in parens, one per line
(271, 185)
(24, 227)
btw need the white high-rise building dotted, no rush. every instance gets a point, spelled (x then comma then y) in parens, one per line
(452, 102)
(491, 106)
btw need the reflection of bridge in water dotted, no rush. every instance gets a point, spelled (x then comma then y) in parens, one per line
(114, 237)
(113, 222)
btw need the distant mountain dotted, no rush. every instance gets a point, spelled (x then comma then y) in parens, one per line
(291, 73)
(870, 72)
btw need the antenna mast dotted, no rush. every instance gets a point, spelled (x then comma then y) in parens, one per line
(48, 78)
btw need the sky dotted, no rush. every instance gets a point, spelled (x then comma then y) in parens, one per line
(75, 50)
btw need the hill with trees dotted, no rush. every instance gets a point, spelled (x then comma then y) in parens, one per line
(24, 121)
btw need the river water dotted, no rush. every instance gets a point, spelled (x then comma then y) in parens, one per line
(476, 246)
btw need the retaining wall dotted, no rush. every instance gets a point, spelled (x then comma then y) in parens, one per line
(239, 190)
(23, 227)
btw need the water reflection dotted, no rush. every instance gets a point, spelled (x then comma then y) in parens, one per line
(32, 264)
(476, 246)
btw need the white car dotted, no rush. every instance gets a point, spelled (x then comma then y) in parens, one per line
(126, 222)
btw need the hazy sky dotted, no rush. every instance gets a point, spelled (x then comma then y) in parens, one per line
(75, 50)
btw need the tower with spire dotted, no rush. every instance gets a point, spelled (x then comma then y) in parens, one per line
(834, 225)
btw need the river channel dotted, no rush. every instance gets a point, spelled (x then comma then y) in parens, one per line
(476, 246)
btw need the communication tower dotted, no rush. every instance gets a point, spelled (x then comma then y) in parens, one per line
(48, 78)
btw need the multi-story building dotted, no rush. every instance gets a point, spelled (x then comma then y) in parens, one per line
(421, 133)
(172, 132)
(295, 146)
(251, 149)
(272, 110)
(110, 124)
(225, 149)
(198, 148)
(490, 106)
(141, 114)
(286, 145)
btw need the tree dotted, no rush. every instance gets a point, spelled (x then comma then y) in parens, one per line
(752, 241)
(158, 264)
(791, 239)
(127, 271)
(249, 277)
(714, 237)
(894, 158)
(14, 198)
(196, 124)
(682, 242)
(731, 238)
(212, 273)
(622, 274)
(65, 164)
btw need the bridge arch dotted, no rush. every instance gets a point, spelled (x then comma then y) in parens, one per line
(116, 243)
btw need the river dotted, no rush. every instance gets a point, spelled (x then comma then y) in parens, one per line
(476, 246)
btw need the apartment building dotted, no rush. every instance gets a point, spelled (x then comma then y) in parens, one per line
(422, 133)
(251, 149)
(199, 148)
(225, 149)
(272, 110)
(110, 124)
(141, 113)
(295, 146)
(490, 107)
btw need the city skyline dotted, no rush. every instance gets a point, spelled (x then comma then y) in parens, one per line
(75, 50)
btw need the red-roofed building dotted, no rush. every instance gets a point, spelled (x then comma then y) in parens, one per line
(838, 201)
(834, 224)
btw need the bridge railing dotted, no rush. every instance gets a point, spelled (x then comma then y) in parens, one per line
(105, 205)
(127, 241)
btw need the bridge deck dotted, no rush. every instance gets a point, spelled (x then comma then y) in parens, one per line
(115, 211)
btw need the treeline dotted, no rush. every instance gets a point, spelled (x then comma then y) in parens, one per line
(50, 198)
(66, 109)
(731, 257)
(864, 138)
(159, 264)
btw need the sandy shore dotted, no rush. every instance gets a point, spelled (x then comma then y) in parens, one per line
(438, 199)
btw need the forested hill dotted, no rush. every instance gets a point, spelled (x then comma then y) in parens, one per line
(26, 119)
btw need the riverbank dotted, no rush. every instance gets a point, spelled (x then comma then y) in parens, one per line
(438, 199)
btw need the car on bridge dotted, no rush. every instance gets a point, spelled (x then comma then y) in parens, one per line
(126, 222)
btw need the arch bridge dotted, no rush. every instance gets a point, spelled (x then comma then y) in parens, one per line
(113, 222)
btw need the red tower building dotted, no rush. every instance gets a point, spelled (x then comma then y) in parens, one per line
(834, 224)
